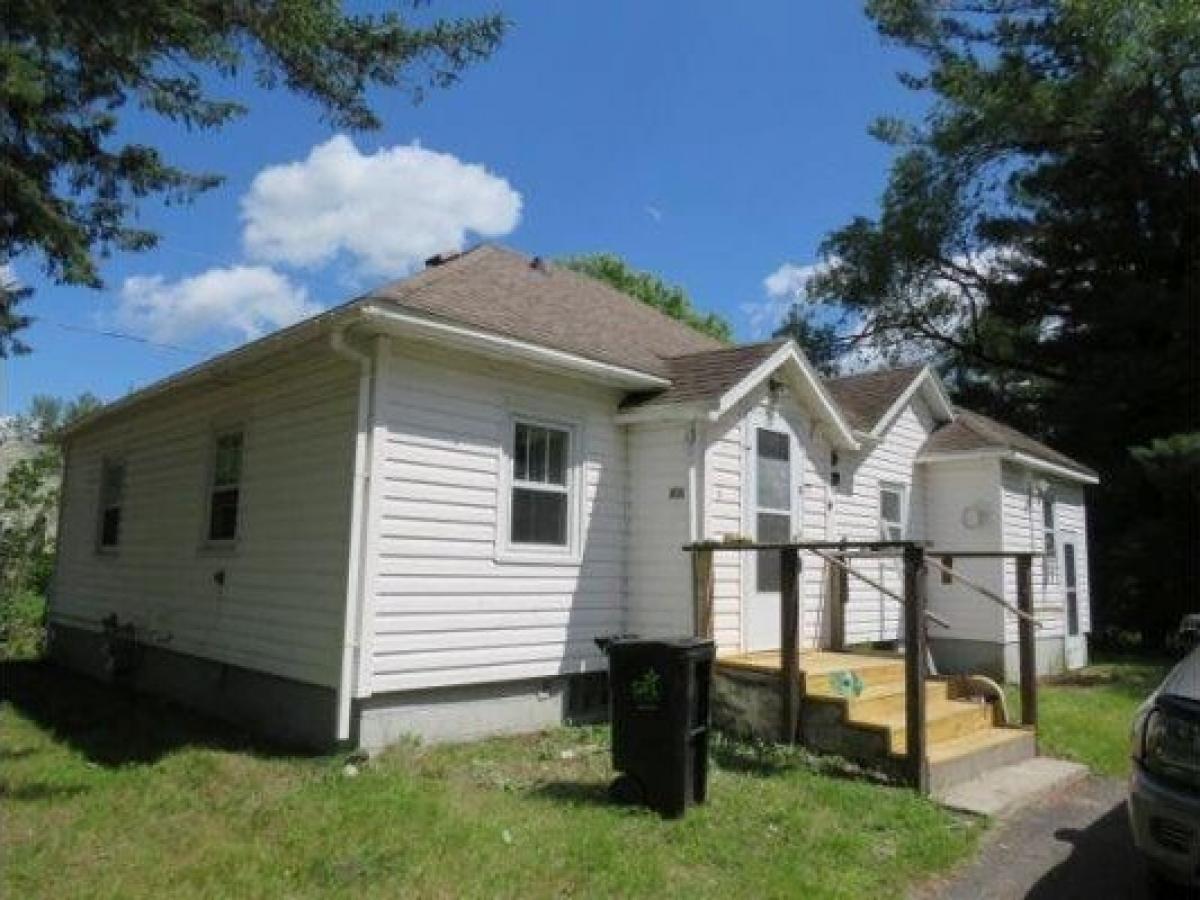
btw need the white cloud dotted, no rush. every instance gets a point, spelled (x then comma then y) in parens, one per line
(234, 304)
(388, 210)
(654, 212)
(786, 285)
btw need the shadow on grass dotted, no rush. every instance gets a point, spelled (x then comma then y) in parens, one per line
(38, 791)
(110, 725)
(582, 793)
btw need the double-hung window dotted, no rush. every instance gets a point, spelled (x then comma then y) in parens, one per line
(1049, 538)
(540, 502)
(112, 499)
(225, 487)
(891, 512)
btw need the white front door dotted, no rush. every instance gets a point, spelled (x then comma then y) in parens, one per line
(773, 516)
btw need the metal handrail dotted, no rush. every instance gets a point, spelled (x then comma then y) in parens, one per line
(890, 594)
(995, 598)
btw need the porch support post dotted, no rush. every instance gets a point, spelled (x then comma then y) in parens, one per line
(915, 666)
(789, 624)
(837, 607)
(702, 593)
(1027, 645)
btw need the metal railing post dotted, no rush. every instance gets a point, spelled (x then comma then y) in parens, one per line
(915, 667)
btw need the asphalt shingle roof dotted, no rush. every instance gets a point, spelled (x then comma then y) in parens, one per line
(507, 293)
(706, 375)
(972, 431)
(865, 397)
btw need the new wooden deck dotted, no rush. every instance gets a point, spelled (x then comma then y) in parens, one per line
(812, 662)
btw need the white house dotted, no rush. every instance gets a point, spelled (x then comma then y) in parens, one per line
(414, 513)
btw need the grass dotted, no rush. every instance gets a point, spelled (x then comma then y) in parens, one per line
(1086, 715)
(105, 795)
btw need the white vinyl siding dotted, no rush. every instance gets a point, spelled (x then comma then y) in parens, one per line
(871, 616)
(660, 574)
(445, 605)
(962, 512)
(1024, 521)
(280, 609)
(728, 510)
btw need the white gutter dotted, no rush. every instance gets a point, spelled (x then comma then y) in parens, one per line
(359, 520)
(405, 324)
(1013, 456)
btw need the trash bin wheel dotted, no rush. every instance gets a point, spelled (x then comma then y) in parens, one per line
(627, 791)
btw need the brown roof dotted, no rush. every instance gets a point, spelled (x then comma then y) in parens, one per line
(507, 293)
(972, 431)
(706, 375)
(864, 398)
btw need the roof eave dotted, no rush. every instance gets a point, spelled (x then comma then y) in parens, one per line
(218, 366)
(406, 324)
(1013, 456)
(841, 433)
(927, 382)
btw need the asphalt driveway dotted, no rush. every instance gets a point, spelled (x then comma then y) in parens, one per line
(1074, 843)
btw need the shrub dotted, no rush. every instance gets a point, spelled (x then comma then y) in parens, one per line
(22, 625)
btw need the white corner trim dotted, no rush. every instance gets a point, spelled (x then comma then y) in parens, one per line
(925, 380)
(409, 325)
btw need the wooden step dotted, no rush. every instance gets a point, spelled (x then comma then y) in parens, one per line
(878, 676)
(943, 721)
(884, 700)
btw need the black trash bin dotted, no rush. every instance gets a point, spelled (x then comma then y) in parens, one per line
(659, 694)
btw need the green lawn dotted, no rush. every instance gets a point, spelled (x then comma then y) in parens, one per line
(1086, 715)
(104, 796)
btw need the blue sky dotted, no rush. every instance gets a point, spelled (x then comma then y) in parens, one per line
(710, 143)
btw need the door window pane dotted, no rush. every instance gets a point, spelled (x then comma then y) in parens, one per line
(772, 528)
(774, 470)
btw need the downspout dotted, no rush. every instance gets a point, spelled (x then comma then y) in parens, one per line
(695, 488)
(359, 521)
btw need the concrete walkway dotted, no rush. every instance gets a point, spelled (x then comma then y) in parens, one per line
(1073, 843)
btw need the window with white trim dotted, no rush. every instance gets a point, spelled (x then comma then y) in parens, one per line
(891, 511)
(540, 502)
(112, 500)
(225, 487)
(1049, 538)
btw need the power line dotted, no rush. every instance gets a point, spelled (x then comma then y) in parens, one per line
(121, 335)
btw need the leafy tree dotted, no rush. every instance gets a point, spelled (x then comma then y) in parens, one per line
(669, 299)
(69, 179)
(29, 494)
(28, 507)
(823, 342)
(48, 415)
(1040, 232)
